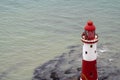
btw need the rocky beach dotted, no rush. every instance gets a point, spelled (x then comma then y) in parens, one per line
(68, 65)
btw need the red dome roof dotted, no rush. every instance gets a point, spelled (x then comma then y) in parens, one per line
(89, 26)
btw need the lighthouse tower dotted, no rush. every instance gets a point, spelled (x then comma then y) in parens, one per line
(89, 63)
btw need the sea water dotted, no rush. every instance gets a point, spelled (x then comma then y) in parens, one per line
(35, 31)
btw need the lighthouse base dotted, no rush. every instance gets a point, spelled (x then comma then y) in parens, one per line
(89, 70)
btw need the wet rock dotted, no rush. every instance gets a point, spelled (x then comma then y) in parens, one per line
(69, 71)
(79, 69)
(73, 46)
(71, 51)
(68, 67)
(54, 76)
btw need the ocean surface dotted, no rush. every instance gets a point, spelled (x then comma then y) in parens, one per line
(35, 31)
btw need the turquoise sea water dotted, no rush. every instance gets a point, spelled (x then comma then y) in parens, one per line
(35, 31)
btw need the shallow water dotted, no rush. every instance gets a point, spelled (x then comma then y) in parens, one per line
(35, 31)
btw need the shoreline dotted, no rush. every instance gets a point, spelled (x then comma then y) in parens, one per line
(68, 66)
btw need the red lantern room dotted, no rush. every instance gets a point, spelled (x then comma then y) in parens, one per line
(89, 35)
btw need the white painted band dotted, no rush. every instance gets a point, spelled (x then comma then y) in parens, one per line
(89, 52)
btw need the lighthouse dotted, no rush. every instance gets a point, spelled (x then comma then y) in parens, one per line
(89, 60)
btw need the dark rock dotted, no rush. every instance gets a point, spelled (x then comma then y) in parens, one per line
(67, 71)
(70, 62)
(68, 67)
(71, 51)
(79, 69)
(78, 78)
(54, 76)
(73, 46)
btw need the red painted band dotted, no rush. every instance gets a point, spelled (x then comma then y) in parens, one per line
(89, 70)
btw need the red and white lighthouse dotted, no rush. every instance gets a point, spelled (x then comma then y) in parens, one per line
(89, 63)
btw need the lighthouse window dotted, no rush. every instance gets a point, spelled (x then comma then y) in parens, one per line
(91, 46)
(91, 74)
(85, 52)
(95, 51)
